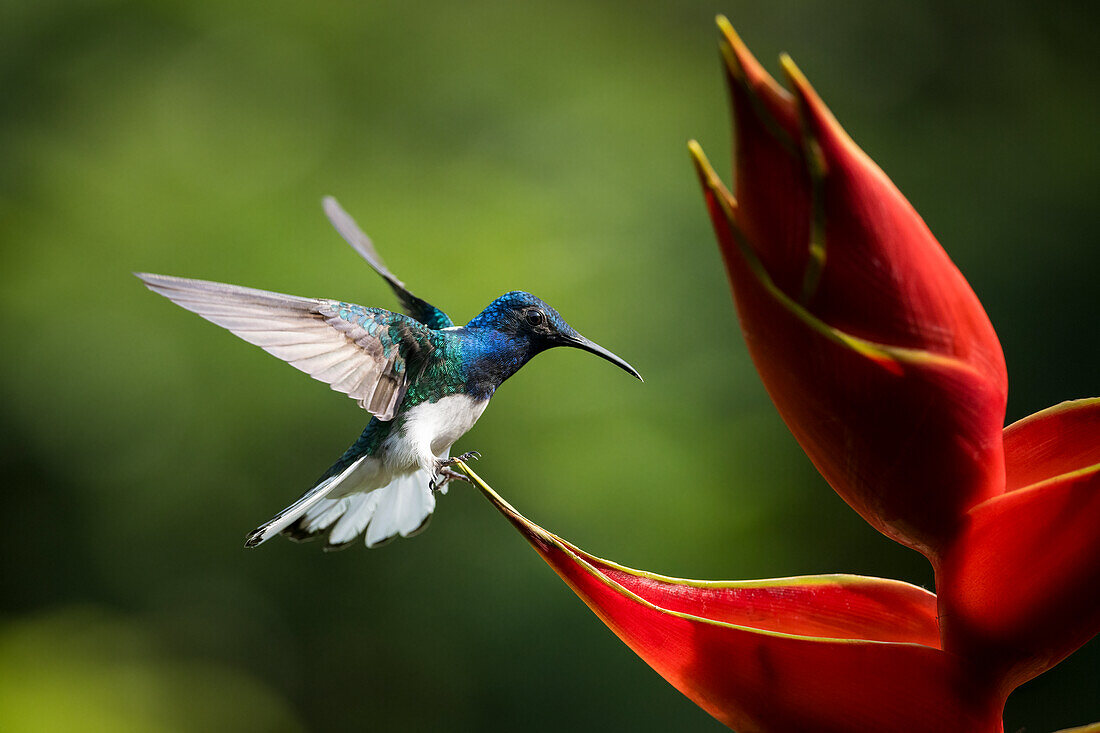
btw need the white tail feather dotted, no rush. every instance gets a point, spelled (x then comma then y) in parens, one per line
(324, 514)
(400, 508)
(292, 513)
(359, 511)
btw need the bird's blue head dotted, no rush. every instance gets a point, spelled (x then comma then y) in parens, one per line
(527, 325)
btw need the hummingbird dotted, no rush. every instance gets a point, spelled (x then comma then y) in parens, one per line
(424, 380)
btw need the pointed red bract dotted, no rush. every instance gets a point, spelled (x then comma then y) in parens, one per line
(885, 278)
(833, 606)
(1057, 440)
(1020, 585)
(771, 175)
(802, 184)
(780, 655)
(875, 350)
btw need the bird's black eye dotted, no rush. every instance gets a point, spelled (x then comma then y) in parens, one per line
(535, 317)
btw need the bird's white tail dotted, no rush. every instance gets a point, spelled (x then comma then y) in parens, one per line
(403, 507)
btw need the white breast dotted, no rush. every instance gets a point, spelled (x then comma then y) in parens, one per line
(435, 426)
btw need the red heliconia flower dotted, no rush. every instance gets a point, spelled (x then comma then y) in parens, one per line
(886, 369)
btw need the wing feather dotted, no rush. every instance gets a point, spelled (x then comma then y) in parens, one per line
(366, 353)
(417, 308)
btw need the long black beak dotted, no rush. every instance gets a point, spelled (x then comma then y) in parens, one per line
(580, 342)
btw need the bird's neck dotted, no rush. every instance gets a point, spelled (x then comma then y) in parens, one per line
(489, 357)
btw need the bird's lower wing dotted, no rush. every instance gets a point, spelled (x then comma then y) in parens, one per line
(366, 353)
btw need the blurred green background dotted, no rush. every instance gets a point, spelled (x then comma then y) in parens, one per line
(486, 146)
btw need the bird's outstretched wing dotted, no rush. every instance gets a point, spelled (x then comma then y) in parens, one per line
(369, 354)
(421, 310)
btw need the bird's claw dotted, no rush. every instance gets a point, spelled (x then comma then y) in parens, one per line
(445, 473)
(445, 476)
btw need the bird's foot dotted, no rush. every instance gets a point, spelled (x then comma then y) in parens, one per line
(472, 455)
(444, 477)
(444, 472)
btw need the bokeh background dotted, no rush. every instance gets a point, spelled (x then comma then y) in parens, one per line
(486, 146)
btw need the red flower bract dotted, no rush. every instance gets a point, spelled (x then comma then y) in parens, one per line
(886, 369)
(869, 340)
(829, 654)
(1020, 584)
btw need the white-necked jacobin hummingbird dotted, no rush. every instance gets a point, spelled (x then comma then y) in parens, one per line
(424, 380)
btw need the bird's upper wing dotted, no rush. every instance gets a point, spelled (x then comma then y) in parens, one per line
(369, 354)
(421, 310)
